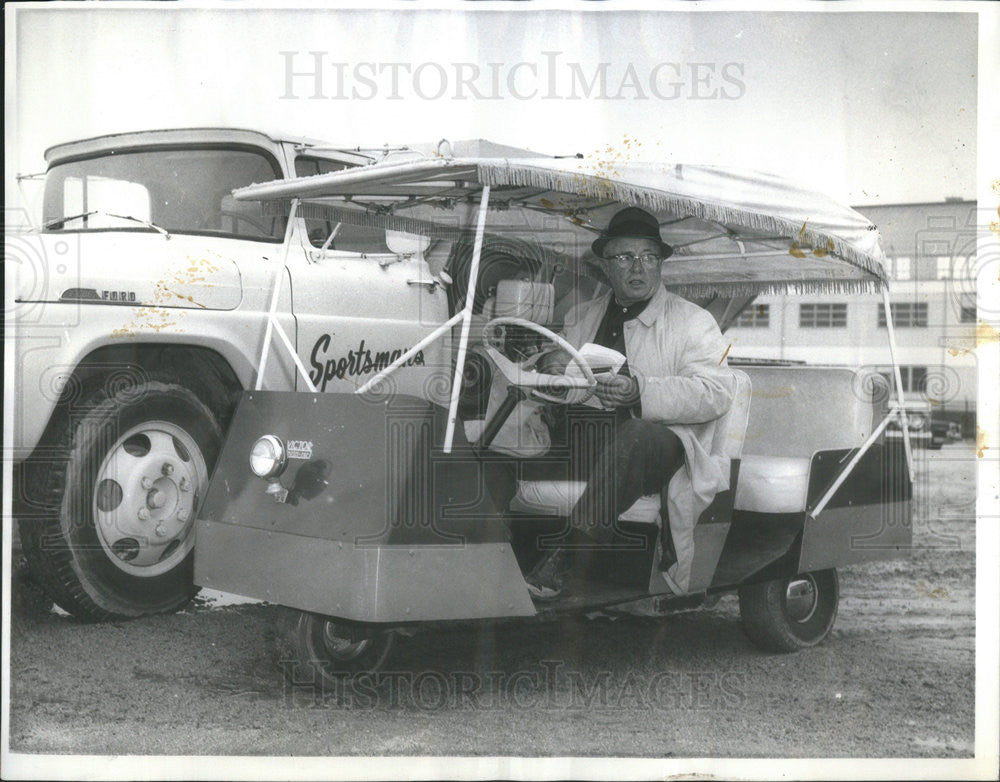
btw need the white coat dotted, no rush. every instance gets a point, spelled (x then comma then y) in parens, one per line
(677, 354)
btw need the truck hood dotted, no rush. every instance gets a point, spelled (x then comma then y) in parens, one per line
(131, 268)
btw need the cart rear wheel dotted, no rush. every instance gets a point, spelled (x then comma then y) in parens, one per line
(319, 652)
(788, 614)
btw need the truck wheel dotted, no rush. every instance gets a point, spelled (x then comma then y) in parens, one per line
(120, 490)
(788, 614)
(319, 652)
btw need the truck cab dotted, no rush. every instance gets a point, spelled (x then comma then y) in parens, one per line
(140, 319)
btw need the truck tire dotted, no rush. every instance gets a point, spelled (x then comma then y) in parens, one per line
(318, 653)
(112, 532)
(788, 614)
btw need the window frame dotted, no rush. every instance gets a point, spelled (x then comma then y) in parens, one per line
(913, 310)
(907, 373)
(756, 316)
(266, 154)
(836, 317)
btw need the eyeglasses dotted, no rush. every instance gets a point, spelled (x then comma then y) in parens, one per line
(626, 260)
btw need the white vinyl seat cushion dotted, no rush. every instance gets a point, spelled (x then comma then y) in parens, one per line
(772, 484)
(557, 498)
(767, 484)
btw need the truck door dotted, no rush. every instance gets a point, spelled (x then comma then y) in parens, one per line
(359, 306)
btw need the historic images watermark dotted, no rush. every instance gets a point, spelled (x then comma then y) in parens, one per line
(319, 75)
(550, 686)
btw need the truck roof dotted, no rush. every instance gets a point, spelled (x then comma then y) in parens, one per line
(143, 138)
(220, 135)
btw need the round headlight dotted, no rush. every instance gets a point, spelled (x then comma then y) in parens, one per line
(267, 457)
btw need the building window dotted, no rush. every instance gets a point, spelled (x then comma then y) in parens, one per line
(914, 379)
(903, 267)
(905, 314)
(964, 268)
(967, 314)
(822, 316)
(757, 316)
(944, 267)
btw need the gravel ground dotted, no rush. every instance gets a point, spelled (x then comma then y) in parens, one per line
(895, 678)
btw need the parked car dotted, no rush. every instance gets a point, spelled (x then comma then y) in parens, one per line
(940, 434)
(918, 416)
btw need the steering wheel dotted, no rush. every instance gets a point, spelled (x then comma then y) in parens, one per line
(561, 389)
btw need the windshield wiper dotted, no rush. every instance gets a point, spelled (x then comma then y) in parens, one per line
(63, 220)
(146, 223)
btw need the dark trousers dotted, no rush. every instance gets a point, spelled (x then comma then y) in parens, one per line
(620, 458)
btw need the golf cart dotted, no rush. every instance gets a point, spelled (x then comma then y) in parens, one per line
(357, 499)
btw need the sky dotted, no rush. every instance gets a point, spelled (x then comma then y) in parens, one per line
(868, 107)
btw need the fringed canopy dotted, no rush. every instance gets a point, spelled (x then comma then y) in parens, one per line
(735, 233)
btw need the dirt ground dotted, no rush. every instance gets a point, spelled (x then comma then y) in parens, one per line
(895, 678)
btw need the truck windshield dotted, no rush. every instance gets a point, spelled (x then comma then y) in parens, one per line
(180, 190)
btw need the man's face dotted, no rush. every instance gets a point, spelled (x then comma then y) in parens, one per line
(635, 281)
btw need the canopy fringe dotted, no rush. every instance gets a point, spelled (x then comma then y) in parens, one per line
(764, 288)
(502, 173)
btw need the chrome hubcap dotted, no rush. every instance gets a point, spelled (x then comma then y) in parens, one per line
(145, 496)
(801, 598)
(341, 646)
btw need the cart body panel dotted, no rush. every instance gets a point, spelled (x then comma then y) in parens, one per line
(868, 518)
(378, 525)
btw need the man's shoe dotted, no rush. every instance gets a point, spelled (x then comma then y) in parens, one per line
(546, 579)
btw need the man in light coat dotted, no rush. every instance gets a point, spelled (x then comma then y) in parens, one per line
(674, 386)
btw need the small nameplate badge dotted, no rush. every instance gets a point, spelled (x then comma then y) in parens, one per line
(299, 449)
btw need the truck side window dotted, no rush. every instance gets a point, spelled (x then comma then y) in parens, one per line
(352, 238)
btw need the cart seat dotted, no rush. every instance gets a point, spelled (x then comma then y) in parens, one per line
(557, 498)
(795, 412)
(767, 484)
(551, 497)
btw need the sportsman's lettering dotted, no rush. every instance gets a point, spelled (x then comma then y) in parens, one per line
(357, 362)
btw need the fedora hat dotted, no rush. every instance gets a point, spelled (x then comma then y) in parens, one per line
(632, 222)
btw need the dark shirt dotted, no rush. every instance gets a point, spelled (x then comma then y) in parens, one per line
(611, 334)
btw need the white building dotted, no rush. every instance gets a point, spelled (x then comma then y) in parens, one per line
(931, 260)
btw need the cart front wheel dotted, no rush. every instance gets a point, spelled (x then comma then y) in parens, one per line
(788, 614)
(318, 652)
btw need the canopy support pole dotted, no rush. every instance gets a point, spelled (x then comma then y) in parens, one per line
(272, 317)
(904, 422)
(470, 297)
(411, 352)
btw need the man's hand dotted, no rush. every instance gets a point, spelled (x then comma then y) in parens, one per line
(554, 362)
(616, 390)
